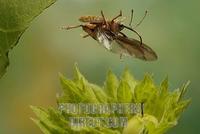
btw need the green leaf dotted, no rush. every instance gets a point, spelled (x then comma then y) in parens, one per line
(78, 90)
(100, 94)
(79, 79)
(15, 17)
(71, 91)
(164, 88)
(183, 90)
(138, 125)
(111, 86)
(162, 108)
(126, 76)
(145, 90)
(51, 122)
(41, 126)
(124, 94)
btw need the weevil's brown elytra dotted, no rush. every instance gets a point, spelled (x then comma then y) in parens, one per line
(91, 19)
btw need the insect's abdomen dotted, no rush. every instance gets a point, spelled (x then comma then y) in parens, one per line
(91, 19)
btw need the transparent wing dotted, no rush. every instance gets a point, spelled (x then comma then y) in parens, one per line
(134, 48)
(107, 40)
(125, 46)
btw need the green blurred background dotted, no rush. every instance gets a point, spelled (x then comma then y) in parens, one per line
(171, 29)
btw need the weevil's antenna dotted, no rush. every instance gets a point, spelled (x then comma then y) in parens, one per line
(129, 28)
(141, 19)
(130, 24)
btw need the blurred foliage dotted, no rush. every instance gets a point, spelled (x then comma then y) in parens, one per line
(15, 17)
(162, 108)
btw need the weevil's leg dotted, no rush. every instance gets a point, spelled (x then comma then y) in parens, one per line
(85, 36)
(71, 27)
(120, 14)
(120, 55)
(123, 34)
(142, 109)
(130, 24)
(134, 32)
(141, 19)
(104, 19)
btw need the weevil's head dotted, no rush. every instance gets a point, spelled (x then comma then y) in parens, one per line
(116, 27)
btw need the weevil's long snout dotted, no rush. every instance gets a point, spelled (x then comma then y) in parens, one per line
(71, 27)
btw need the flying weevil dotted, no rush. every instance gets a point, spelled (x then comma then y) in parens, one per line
(109, 34)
